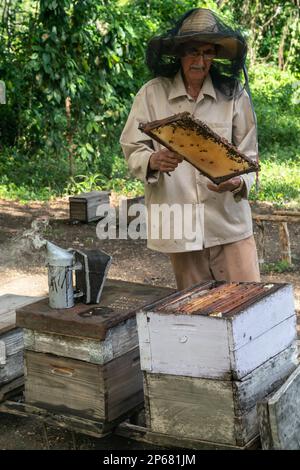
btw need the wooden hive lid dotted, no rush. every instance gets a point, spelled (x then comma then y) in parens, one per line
(98, 195)
(119, 302)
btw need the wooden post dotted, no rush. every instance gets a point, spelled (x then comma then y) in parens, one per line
(285, 243)
(261, 241)
(68, 104)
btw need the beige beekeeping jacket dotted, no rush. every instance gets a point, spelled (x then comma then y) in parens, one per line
(220, 217)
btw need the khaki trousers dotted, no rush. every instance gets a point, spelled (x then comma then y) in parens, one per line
(232, 262)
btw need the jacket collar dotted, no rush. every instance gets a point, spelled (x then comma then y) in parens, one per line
(178, 88)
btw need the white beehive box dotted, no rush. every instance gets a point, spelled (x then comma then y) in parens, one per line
(210, 353)
(217, 330)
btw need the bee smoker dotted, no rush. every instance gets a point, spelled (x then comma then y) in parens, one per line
(91, 268)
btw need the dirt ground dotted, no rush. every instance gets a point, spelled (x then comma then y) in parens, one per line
(22, 270)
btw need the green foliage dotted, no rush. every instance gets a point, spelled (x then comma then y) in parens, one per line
(279, 183)
(278, 114)
(278, 267)
(119, 182)
(272, 28)
(24, 193)
(72, 67)
(276, 95)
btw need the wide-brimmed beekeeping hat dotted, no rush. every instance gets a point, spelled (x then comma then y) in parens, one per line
(203, 26)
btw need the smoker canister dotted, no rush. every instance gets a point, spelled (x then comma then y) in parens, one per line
(60, 264)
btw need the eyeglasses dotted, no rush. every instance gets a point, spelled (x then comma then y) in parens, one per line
(209, 55)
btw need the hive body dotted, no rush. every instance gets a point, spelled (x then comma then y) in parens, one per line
(210, 353)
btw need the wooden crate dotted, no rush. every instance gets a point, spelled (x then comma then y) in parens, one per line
(219, 411)
(83, 207)
(8, 305)
(84, 361)
(222, 346)
(11, 344)
(279, 416)
(98, 392)
(11, 355)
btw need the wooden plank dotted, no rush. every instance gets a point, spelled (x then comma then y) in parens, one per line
(264, 425)
(262, 316)
(262, 348)
(280, 416)
(89, 427)
(13, 368)
(13, 341)
(83, 349)
(118, 341)
(146, 400)
(8, 305)
(9, 302)
(284, 238)
(246, 427)
(260, 241)
(2, 353)
(123, 384)
(264, 379)
(276, 218)
(11, 352)
(141, 434)
(77, 424)
(11, 389)
(292, 213)
(144, 341)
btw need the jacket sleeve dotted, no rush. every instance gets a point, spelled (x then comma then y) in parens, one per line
(137, 146)
(244, 135)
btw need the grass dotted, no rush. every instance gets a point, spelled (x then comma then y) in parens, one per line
(278, 183)
(278, 267)
(24, 194)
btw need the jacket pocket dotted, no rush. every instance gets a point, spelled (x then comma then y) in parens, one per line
(223, 129)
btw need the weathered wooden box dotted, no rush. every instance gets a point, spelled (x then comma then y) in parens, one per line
(98, 392)
(84, 361)
(217, 330)
(11, 344)
(209, 353)
(219, 411)
(11, 355)
(84, 206)
(279, 416)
